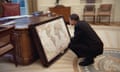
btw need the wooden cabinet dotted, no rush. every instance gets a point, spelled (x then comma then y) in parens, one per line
(25, 51)
(62, 10)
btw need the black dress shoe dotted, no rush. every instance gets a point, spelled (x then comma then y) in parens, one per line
(86, 62)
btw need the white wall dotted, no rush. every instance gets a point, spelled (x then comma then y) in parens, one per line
(45, 4)
(110, 35)
(108, 1)
(78, 5)
(117, 10)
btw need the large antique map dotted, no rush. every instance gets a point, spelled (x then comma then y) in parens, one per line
(54, 37)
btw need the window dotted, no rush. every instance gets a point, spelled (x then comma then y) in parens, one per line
(23, 6)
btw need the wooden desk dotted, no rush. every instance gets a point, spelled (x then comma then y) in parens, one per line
(26, 52)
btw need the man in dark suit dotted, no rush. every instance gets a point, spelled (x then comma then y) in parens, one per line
(85, 42)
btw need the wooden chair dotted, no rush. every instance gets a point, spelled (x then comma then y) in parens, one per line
(7, 42)
(104, 11)
(10, 9)
(90, 1)
(89, 11)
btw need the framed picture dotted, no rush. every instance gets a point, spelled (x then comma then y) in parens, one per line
(51, 39)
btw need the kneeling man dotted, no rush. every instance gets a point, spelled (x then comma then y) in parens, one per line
(85, 42)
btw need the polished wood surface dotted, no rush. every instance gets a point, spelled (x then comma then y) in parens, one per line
(26, 52)
(24, 23)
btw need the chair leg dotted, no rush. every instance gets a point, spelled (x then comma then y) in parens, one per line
(84, 18)
(94, 19)
(109, 19)
(15, 59)
(99, 19)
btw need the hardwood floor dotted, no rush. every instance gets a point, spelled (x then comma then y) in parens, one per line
(64, 64)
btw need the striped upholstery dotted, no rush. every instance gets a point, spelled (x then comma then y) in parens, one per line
(11, 9)
(89, 13)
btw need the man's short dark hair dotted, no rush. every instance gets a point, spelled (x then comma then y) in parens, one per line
(74, 17)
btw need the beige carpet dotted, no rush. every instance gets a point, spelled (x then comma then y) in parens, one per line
(64, 64)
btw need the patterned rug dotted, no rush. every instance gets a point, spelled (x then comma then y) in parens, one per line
(108, 62)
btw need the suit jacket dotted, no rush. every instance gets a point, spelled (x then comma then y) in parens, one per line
(85, 40)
